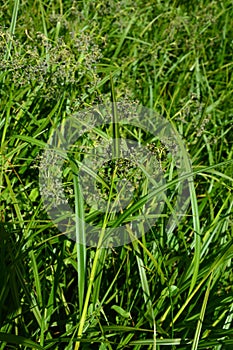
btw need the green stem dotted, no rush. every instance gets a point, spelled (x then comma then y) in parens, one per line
(12, 28)
(94, 267)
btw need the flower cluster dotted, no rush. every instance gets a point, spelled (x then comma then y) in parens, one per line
(51, 187)
(51, 66)
(202, 125)
(89, 52)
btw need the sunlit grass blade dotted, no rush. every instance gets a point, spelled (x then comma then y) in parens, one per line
(80, 235)
(202, 315)
(223, 259)
(12, 28)
(115, 124)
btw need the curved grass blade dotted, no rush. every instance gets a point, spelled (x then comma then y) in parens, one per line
(16, 339)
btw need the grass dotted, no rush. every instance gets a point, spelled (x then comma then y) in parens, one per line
(171, 286)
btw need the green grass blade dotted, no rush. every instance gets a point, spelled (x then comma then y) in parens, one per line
(201, 318)
(115, 124)
(80, 235)
(12, 28)
(18, 340)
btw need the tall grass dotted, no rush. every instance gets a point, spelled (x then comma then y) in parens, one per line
(167, 289)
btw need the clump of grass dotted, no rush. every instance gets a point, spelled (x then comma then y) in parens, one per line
(166, 289)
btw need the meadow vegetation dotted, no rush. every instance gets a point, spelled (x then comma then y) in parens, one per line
(160, 291)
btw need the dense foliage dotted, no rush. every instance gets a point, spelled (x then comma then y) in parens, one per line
(158, 292)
